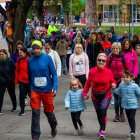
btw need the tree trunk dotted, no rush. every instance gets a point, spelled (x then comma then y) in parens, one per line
(16, 12)
(40, 10)
(91, 13)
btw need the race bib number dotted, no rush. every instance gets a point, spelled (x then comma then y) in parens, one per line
(80, 65)
(40, 81)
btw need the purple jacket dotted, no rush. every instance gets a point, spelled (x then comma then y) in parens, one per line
(14, 58)
(133, 61)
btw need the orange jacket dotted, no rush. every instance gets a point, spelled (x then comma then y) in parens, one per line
(9, 31)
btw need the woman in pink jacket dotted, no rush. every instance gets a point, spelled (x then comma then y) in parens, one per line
(131, 54)
(79, 64)
(117, 63)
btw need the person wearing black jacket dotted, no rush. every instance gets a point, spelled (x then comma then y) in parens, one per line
(135, 41)
(111, 38)
(93, 49)
(56, 40)
(7, 79)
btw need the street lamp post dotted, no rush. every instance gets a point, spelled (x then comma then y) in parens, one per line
(71, 11)
(132, 20)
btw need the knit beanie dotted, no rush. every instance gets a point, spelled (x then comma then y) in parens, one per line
(37, 44)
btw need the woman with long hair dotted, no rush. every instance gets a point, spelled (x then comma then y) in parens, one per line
(131, 55)
(15, 54)
(93, 49)
(7, 79)
(135, 41)
(21, 77)
(79, 64)
(79, 40)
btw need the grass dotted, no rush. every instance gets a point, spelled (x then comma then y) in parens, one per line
(118, 29)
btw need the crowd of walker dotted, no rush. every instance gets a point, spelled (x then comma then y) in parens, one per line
(108, 64)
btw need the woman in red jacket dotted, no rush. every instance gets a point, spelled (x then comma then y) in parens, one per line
(21, 77)
(117, 63)
(100, 78)
(106, 43)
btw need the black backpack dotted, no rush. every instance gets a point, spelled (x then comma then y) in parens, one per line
(111, 59)
(19, 60)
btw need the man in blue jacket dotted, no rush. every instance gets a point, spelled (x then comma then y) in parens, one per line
(40, 67)
(125, 35)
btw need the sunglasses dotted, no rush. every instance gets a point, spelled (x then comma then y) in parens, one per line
(46, 38)
(100, 60)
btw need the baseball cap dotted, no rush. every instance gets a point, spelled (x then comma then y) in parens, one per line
(107, 51)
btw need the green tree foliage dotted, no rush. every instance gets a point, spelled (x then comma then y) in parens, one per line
(77, 7)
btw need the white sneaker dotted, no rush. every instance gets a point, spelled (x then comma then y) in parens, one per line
(26, 102)
(82, 129)
(132, 136)
(76, 133)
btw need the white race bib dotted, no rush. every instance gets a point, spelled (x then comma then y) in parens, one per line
(40, 81)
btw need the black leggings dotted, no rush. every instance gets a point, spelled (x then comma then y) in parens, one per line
(75, 116)
(23, 93)
(130, 113)
(101, 109)
(82, 79)
(11, 91)
(67, 61)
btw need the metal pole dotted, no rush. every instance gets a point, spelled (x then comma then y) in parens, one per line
(71, 11)
(132, 20)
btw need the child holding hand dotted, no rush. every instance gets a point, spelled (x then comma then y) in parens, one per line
(74, 102)
(129, 91)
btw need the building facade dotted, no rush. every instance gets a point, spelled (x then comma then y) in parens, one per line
(110, 11)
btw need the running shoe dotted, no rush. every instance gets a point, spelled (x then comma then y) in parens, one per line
(22, 112)
(82, 129)
(35, 139)
(122, 117)
(102, 136)
(14, 109)
(132, 136)
(54, 132)
(116, 119)
(99, 132)
(76, 133)
(26, 102)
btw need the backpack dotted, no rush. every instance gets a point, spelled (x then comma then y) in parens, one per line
(19, 60)
(111, 59)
